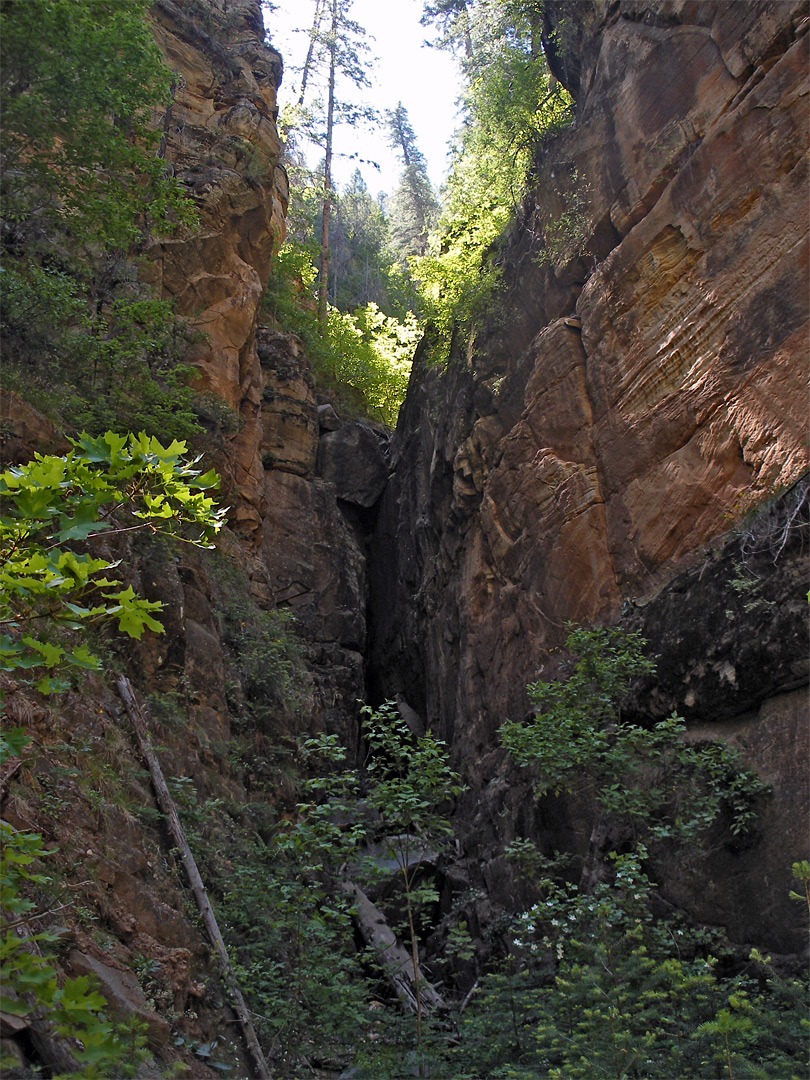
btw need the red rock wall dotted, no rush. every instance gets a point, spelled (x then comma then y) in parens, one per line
(558, 471)
(224, 146)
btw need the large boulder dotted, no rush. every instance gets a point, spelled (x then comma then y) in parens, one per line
(124, 995)
(353, 459)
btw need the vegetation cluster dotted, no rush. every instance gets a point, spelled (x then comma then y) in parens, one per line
(83, 85)
(595, 979)
(420, 257)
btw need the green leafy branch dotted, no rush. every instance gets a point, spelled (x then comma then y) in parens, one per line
(650, 775)
(53, 508)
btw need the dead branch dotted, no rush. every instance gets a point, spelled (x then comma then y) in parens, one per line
(167, 805)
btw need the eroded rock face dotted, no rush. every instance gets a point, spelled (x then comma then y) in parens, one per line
(300, 551)
(610, 454)
(289, 415)
(24, 431)
(650, 379)
(222, 143)
(314, 560)
(353, 458)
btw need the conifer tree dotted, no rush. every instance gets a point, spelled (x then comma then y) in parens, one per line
(336, 52)
(414, 206)
(452, 17)
(359, 260)
(313, 41)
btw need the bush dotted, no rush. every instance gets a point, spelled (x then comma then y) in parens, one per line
(81, 185)
(593, 983)
(363, 358)
(94, 370)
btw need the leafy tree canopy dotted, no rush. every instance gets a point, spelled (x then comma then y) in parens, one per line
(80, 82)
(510, 106)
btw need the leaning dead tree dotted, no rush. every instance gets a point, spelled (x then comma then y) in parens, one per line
(394, 958)
(167, 806)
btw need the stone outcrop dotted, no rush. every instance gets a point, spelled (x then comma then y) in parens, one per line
(221, 141)
(123, 995)
(24, 430)
(289, 414)
(322, 477)
(648, 382)
(353, 458)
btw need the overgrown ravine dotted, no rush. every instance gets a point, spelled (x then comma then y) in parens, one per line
(622, 446)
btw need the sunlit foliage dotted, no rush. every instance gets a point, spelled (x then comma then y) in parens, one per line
(510, 105)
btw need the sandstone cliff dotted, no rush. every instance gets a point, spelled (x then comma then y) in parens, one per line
(223, 144)
(647, 385)
(294, 539)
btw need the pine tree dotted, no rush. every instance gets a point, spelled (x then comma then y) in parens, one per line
(336, 51)
(359, 259)
(452, 17)
(475, 30)
(414, 206)
(313, 41)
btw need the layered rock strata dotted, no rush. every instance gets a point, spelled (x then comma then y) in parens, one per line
(221, 140)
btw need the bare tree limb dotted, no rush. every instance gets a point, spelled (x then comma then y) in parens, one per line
(167, 805)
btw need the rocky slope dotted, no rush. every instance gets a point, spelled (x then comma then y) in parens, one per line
(647, 385)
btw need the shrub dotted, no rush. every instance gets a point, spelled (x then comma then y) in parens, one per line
(363, 358)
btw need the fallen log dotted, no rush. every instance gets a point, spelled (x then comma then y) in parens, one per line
(166, 804)
(394, 958)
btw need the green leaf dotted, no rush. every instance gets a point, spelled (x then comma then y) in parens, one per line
(83, 658)
(14, 1007)
(133, 613)
(84, 523)
(47, 685)
(52, 654)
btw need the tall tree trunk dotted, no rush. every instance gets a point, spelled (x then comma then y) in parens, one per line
(469, 51)
(313, 37)
(323, 279)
